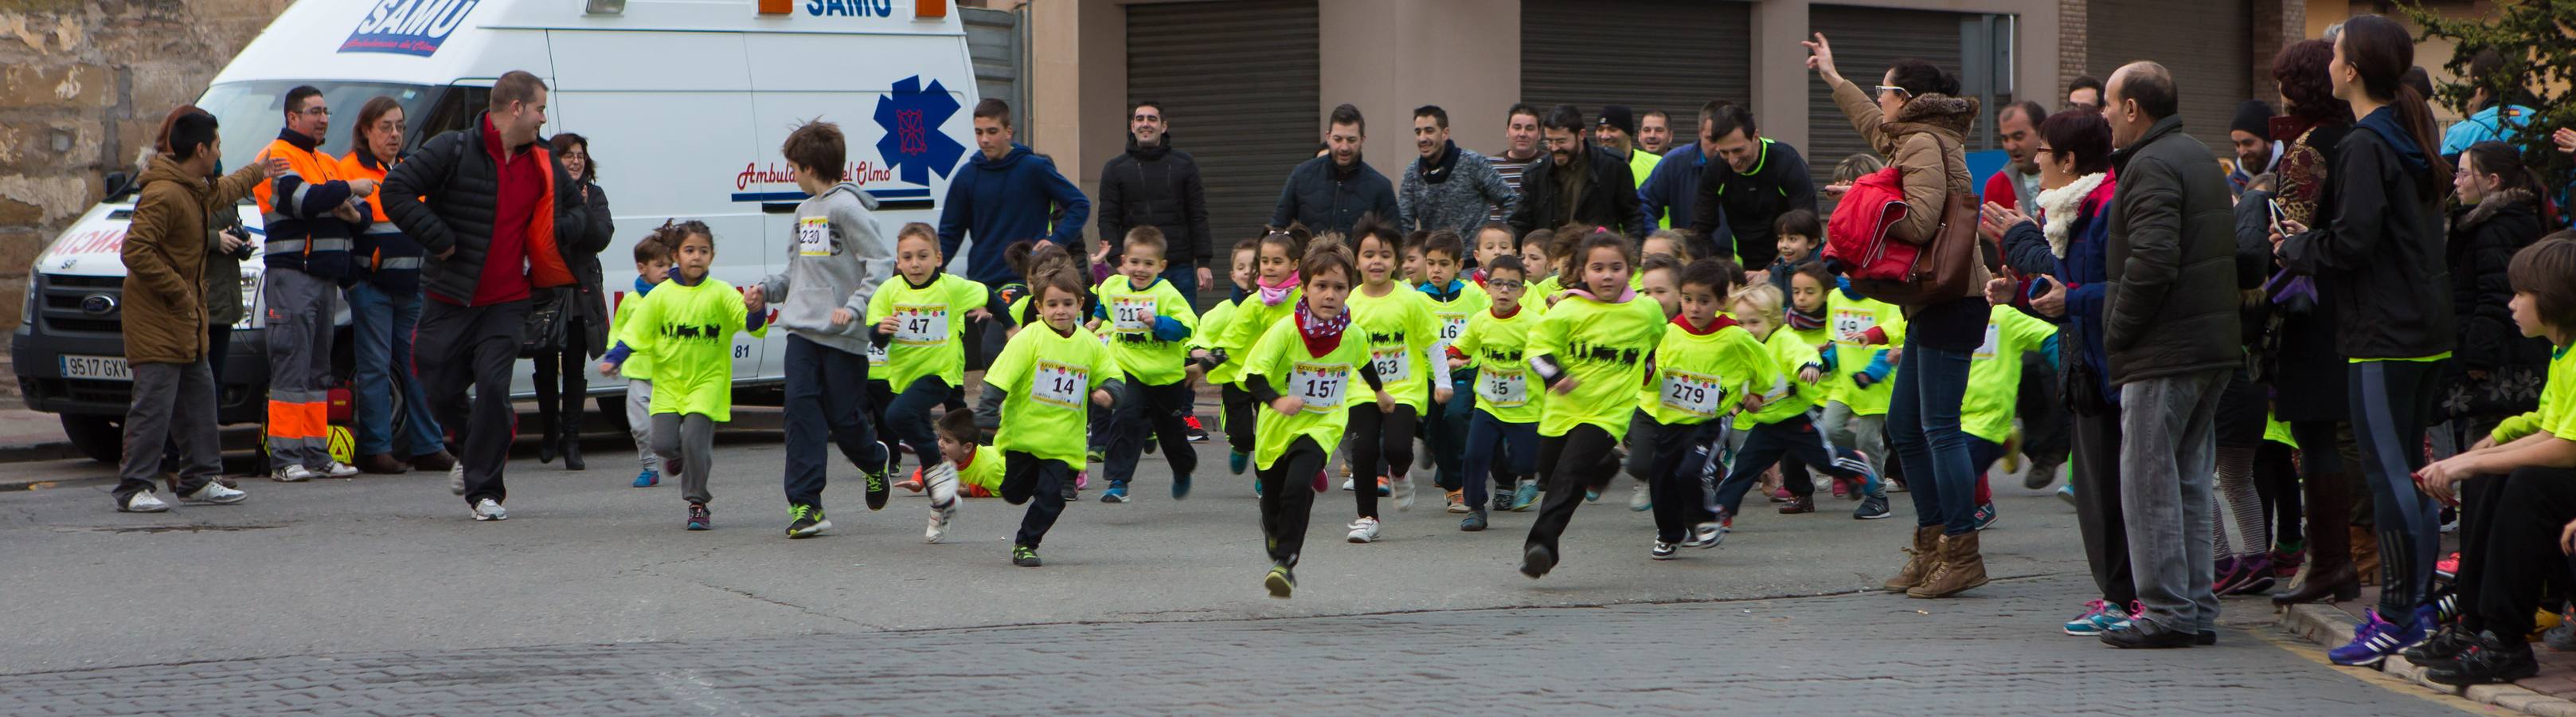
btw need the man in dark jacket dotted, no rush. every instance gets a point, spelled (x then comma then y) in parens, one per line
(1579, 184)
(1007, 194)
(1155, 185)
(2170, 327)
(1329, 193)
(487, 203)
(1744, 195)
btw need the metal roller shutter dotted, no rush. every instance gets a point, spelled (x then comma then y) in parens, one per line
(2214, 76)
(1240, 82)
(1867, 40)
(1590, 53)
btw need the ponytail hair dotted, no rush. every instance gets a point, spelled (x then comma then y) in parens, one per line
(2382, 51)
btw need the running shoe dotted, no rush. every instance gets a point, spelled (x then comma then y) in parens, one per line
(1402, 488)
(1117, 493)
(1457, 501)
(1237, 461)
(1198, 433)
(213, 493)
(2489, 660)
(1663, 551)
(2375, 639)
(2099, 616)
(1986, 516)
(648, 478)
(1524, 496)
(1871, 508)
(2448, 568)
(1798, 504)
(1639, 499)
(141, 502)
(1474, 522)
(699, 518)
(489, 509)
(1180, 486)
(1536, 560)
(1780, 495)
(806, 521)
(1025, 556)
(1281, 582)
(1364, 530)
(2066, 493)
(1705, 535)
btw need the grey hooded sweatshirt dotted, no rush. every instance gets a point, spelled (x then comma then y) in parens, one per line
(836, 258)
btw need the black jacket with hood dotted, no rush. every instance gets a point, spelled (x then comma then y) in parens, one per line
(1156, 186)
(1606, 197)
(2378, 258)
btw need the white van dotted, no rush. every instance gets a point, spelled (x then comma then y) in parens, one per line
(685, 103)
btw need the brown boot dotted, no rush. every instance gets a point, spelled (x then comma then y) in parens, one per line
(434, 461)
(1925, 554)
(2365, 555)
(381, 464)
(1962, 567)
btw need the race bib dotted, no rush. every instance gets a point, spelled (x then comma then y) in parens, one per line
(814, 236)
(1126, 313)
(1393, 364)
(1692, 393)
(1451, 327)
(1849, 324)
(876, 356)
(920, 324)
(1503, 389)
(1321, 387)
(1059, 384)
(1993, 344)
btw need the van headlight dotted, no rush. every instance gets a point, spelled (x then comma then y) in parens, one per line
(27, 311)
(249, 299)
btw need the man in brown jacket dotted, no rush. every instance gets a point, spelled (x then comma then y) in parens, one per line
(165, 318)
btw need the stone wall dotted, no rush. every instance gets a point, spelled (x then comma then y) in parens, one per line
(2072, 50)
(83, 85)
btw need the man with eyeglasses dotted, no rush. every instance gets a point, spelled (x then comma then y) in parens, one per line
(309, 212)
(1154, 184)
(1578, 184)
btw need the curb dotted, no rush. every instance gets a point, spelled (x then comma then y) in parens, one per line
(2325, 625)
(48, 451)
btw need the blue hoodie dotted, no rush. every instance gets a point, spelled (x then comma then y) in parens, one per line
(1012, 199)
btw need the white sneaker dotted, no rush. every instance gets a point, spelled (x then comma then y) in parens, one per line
(1402, 487)
(341, 470)
(1364, 530)
(142, 502)
(489, 509)
(938, 529)
(1346, 485)
(456, 478)
(1639, 499)
(214, 494)
(294, 474)
(1705, 535)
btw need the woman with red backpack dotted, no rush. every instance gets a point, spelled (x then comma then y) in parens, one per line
(1916, 118)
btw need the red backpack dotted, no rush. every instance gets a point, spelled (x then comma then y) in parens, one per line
(1857, 244)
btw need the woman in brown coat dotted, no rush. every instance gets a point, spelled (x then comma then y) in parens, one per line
(164, 316)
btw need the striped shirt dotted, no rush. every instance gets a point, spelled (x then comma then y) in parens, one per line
(1511, 170)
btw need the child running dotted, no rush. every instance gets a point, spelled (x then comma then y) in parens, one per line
(978, 474)
(1301, 368)
(1272, 298)
(1994, 387)
(834, 265)
(652, 267)
(1042, 377)
(1453, 302)
(917, 317)
(1657, 276)
(1493, 241)
(1204, 364)
(1856, 401)
(686, 326)
(1705, 365)
(1397, 327)
(1590, 351)
(1507, 411)
(1148, 323)
(1775, 419)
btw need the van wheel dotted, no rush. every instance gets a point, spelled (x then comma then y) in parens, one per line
(613, 409)
(99, 437)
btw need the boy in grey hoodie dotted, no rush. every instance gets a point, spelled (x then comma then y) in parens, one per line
(834, 264)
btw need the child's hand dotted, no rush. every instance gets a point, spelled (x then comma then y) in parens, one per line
(1565, 387)
(1753, 401)
(979, 314)
(1762, 276)
(1810, 375)
(2565, 139)
(1385, 401)
(1442, 392)
(1101, 396)
(1456, 363)
(1288, 405)
(843, 316)
(1092, 325)
(755, 304)
(608, 369)
(752, 296)
(1199, 355)
(888, 325)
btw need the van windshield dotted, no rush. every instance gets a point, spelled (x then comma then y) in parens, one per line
(251, 113)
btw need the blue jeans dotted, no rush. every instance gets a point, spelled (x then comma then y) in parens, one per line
(826, 390)
(1184, 275)
(381, 326)
(1516, 443)
(1923, 427)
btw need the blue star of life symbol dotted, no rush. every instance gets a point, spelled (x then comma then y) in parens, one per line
(913, 144)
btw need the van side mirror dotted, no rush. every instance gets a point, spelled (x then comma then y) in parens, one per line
(118, 185)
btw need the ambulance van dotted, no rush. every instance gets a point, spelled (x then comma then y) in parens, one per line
(685, 104)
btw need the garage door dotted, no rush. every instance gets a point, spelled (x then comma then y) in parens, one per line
(1590, 53)
(2215, 76)
(1866, 42)
(1239, 81)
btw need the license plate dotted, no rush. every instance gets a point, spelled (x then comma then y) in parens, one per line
(100, 367)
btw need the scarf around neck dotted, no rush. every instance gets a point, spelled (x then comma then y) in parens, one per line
(1437, 170)
(2060, 206)
(1803, 321)
(1273, 295)
(1322, 335)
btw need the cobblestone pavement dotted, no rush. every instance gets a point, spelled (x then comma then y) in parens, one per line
(379, 596)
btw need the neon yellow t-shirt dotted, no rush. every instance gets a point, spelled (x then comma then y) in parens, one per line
(688, 333)
(1994, 372)
(929, 341)
(1847, 318)
(1212, 326)
(1329, 384)
(1543, 292)
(1131, 340)
(1400, 330)
(1449, 319)
(2278, 431)
(1252, 321)
(1603, 346)
(982, 470)
(1049, 377)
(1783, 395)
(638, 366)
(1700, 376)
(2558, 397)
(1504, 388)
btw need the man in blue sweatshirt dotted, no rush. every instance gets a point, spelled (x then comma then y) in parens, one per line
(1007, 194)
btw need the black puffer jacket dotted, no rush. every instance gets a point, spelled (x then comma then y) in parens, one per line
(1607, 197)
(1157, 186)
(2171, 307)
(462, 185)
(581, 254)
(2379, 256)
(2483, 240)
(1329, 198)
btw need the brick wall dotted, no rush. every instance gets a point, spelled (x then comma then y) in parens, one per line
(2277, 24)
(2072, 49)
(83, 84)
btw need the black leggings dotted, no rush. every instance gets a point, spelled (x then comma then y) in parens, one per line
(1238, 417)
(563, 381)
(1288, 497)
(1392, 441)
(2391, 403)
(1568, 462)
(2276, 479)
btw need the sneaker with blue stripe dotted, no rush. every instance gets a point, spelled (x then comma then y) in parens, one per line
(2376, 639)
(2099, 616)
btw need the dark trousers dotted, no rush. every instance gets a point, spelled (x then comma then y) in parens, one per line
(219, 341)
(1238, 409)
(563, 383)
(1444, 432)
(1487, 438)
(909, 417)
(2521, 552)
(880, 396)
(2391, 403)
(825, 389)
(1377, 436)
(2047, 429)
(1570, 462)
(1683, 476)
(473, 346)
(1767, 442)
(2479, 496)
(1151, 411)
(1038, 482)
(1288, 499)
(2105, 527)
(2276, 480)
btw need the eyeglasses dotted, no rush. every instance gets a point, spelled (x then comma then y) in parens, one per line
(1884, 89)
(1502, 284)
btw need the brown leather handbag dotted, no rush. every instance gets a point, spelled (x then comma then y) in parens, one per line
(1947, 268)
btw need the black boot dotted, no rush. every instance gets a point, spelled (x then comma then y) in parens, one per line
(2487, 660)
(576, 396)
(546, 444)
